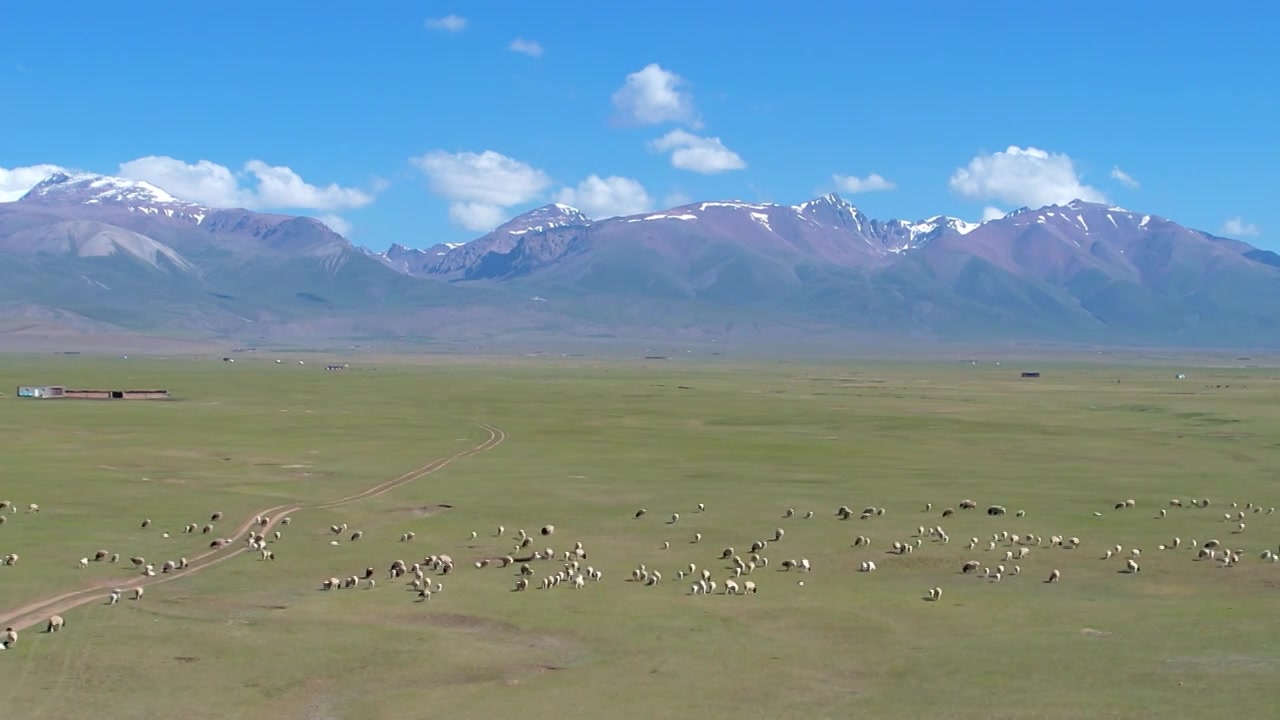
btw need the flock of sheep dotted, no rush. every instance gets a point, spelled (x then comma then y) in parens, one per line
(1000, 555)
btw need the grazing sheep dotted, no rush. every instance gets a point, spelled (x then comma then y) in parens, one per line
(934, 594)
(56, 623)
(970, 566)
(114, 597)
(522, 584)
(640, 512)
(146, 523)
(730, 587)
(948, 512)
(548, 530)
(1054, 576)
(702, 507)
(33, 508)
(215, 517)
(675, 518)
(206, 529)
(844, 513)
(10, 638)
(115, 557)
(1131, 565)
(748, 588)
(967, 504)
(11, 559)
(697, 538)
(808, 515)
(996, 510)
(84, 562)
(137, 592)
(777, 534)
(356, 535)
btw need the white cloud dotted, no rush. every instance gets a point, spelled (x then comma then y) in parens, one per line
(448, 23)
(336, 224)
(870, 183)
(1123, 178)
(480, 186)
(1237, 227)
(527, 47)
(14, 183)
(1023, 176)
(608, 197)
(258, 187)
(652, 96)
(676, 199)
(706, 155)
(990, 213)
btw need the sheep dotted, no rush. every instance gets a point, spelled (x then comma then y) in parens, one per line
(356, 535)
(137, 592)
(697, 538)
(934, 594)
(547, 530)
(702, 507)
(10, 638)
(996, 510)
(948, 512)
(640, 513)
(1131, 566)
(970, 566)
(33, 508)
(1054, 576)
(967, 504)
(808, 515)
(114, 597)
(788, 512)
(867, 566)
(777, 534)
(844, 513)
(730, 587)
(501, 530)
(206, 529)
(522, 584)
(11, 559)
(84, 562)
(215, 517)
(56, 623)
(726, 553)
(675, 518)
(146, 523)
(115, 557)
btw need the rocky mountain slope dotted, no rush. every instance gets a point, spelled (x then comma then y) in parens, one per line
(92, 251)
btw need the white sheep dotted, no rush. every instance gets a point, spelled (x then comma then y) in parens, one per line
(33, 508)
(84, 562)
(56, 623)
(1131, 565)
(1054, 576)
(137, 592)
(730, 587)
(114, 597)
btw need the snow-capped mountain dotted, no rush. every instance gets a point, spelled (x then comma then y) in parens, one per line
(828, 229)
(114, 250)
(136, 196)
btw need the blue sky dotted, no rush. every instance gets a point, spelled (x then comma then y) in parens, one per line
(417, 122)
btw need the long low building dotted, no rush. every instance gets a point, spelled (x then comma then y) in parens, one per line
(58, 391)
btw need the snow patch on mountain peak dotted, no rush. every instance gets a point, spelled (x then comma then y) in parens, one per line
(104, 191)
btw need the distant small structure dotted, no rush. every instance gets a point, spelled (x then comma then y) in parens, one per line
(39, 391)
(1031, 374)
(336, 367)
(57, 391)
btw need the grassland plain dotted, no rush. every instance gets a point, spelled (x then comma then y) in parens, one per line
(587, 443)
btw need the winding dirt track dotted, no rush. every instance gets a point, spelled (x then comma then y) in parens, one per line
(39, 611)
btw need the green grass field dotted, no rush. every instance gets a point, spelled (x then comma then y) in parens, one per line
(586, 445)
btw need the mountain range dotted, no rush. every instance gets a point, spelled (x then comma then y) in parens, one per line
(87, 253)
